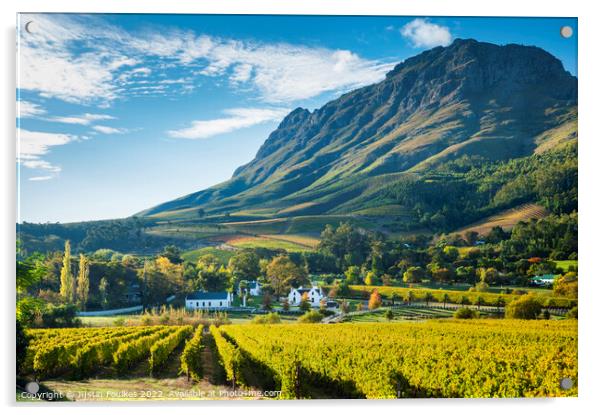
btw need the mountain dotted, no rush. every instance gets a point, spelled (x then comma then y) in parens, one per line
(473, 102)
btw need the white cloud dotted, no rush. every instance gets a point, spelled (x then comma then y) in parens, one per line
(26, 109)
(236, 119)
(84, 119)
(424, 34)
(285, 72)
(52, 66)
(109, 130)
(32, 145)
(40, 178)
(92, 61)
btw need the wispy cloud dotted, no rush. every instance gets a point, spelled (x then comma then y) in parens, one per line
(34, 144)
(285, 73)
(424, 34)
(109, 130)
(93, 61)
(84, 119)
(26, 109)
(235, 119)
(40, 178)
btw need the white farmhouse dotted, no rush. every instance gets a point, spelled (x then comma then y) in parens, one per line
(253, 288)
(314, 295)
(200, 300)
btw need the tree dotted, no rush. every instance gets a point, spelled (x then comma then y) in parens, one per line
(409, 297)
(313, 316)
(371, 278)
(471, 237)
(103, 287)
(267, 301)
(428, 297)
(445, 300)
(285, 305)
(208, 260)
(172, 253)
(394, 297)
(282, 273)
(442, 275)
(346, 244)
(465, 313)
(375, 300)
(67, 283)
(566, 285)
(304, 305)
(83, 281)
(213, 278)
(489, 275)
(500, 302)
(173, 272)
(526, 307)
(244, 265)
(413, 274)
(22, 343)
(353, 274)
(344, 306)
(389, 315)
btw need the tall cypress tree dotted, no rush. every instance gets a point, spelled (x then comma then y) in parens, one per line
(67, 282)
(83, 281)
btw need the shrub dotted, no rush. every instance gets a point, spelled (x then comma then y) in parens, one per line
(119, 322)
(270, 318)
(389, 315)
(466, 313)
(61, 316)
(572, 313)
(375, 300)
(311, 317)
(22, 343)
(526, 307)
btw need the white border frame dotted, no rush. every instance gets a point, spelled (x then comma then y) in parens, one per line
(589, 75)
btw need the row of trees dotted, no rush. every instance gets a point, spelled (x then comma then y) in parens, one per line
(505, 258)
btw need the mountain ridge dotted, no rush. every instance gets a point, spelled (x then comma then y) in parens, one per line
(468, 99)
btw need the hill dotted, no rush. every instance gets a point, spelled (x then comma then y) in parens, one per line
(453, 136)
(506, 219)
(470, 100)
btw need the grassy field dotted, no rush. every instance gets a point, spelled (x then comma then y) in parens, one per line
(564, 265)
(222, 255)
(506, 219)
(267, 242)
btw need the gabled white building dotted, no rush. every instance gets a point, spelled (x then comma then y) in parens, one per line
(253, 288)
(314, 296)
(208, 300)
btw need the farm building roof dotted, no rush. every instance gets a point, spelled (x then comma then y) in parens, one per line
(200, 295)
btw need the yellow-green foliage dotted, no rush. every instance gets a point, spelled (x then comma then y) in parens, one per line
(456, 297)
(160, 351)
(438, 358)
(191, 361)
(49, 355)
(99, 351)
(229, 355)
(132, 352)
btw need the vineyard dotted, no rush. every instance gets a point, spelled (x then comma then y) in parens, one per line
(486, 358)
(456, 297)
(82, 352)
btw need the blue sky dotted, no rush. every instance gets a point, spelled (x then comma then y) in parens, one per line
(117, 113)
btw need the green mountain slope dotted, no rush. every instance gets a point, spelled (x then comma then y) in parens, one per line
(470, 101)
